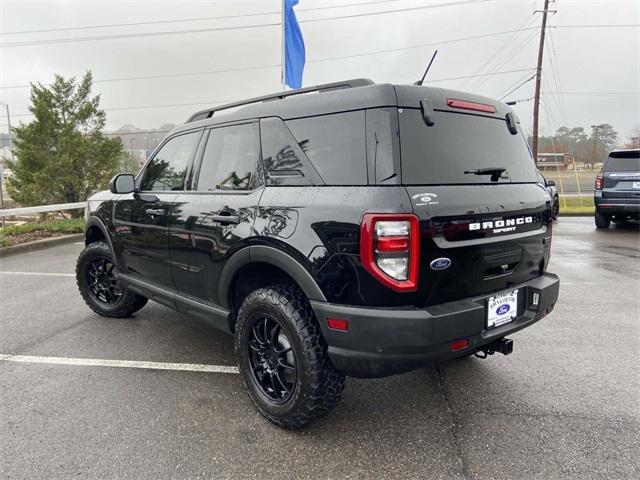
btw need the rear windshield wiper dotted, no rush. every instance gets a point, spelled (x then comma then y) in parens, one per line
(495, 172)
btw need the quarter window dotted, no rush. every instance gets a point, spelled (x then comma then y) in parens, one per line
(335, 145)
(230, 159)
(167, 169)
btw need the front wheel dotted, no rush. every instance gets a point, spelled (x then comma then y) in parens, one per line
(283, 358)
(99, 286)
(602, 221)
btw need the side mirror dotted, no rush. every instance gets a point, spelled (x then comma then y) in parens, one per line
(551, 183)
(122, 183)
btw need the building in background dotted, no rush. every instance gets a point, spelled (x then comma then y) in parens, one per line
(553, 161)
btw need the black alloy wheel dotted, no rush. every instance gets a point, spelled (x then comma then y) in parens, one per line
(97, 279)
(102, 281)
(272, 360)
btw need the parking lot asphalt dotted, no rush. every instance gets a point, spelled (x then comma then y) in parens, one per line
(565, 404)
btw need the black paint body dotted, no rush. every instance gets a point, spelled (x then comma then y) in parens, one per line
(176, 247)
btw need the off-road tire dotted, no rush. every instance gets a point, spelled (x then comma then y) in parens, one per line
(602, 221)
(125, 306)
(318, 385)
(556, 208)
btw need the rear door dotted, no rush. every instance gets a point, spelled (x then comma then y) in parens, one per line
(210, 222)
(472, 181)
(621, 175)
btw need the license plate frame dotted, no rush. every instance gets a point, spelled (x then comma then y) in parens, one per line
(502, 308)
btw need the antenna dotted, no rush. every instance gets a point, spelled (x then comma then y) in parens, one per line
(419, 82)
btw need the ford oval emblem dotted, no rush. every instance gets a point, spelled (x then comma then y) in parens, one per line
(502, 309)
(441, 263)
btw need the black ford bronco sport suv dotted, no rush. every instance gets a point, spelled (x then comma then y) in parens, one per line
(345, 229)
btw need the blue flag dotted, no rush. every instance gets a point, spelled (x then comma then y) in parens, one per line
(293, 46)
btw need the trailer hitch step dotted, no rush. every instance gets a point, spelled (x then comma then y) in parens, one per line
(502, 345)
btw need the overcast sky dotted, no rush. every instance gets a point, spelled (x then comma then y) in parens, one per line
(596, 69)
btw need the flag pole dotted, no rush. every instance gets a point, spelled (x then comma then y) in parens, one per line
(283, 53)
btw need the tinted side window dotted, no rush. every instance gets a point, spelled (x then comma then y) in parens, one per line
(167, 169)
(284, 161)
(335, 145)
(230, 159)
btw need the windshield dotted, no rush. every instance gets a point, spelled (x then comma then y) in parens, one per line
(628, 161)
(459, 143)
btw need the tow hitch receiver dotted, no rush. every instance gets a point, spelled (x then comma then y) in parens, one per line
(502, 345)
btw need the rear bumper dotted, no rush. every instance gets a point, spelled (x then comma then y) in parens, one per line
(383, 342)
(617, 206)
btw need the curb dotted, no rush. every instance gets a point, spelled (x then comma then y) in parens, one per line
(40, 244)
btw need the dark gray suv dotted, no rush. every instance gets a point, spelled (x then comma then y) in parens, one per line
(617, 189)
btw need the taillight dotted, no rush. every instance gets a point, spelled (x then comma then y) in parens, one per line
(390, 249)
(599, 181)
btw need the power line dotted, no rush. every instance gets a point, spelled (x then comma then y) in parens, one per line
(184, 20)
(519, 47)
(327, 59)
(602, 25)
(215, 29)
(218, 102)
(594, 93)
(504, 45)
(528, 79)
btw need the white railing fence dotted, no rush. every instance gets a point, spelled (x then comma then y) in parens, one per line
(9, 212)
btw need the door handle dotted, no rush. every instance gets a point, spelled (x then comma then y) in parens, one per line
(154, 211)
(226, 219)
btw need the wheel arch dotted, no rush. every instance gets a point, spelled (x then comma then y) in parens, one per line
(95, 231)
(259, 266)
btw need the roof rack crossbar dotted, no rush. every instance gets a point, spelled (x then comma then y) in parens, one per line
(209, 112)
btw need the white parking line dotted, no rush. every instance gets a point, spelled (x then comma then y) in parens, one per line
(46, 274)
(99, 362)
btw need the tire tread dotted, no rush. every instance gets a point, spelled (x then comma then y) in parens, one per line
(326, 382)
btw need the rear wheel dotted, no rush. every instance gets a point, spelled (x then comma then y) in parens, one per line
(556, 207)
(602, 221)
(283, 357)
(96, 276)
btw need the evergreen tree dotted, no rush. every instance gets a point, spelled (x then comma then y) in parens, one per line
(62, 156)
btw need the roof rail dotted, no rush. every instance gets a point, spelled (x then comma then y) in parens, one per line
(209, 112)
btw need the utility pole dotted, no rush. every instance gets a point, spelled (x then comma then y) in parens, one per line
(536, 98)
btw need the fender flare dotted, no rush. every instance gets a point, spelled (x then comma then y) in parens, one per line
(271, 256)
(99, 224)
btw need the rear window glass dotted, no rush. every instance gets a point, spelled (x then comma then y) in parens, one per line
(623, 162)
(456, 143)
(335, 145)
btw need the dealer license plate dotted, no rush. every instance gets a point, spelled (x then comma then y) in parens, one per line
(502, 308)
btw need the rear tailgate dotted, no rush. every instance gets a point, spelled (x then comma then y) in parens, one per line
(481, 232)
(621, 177)
(493, 237)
